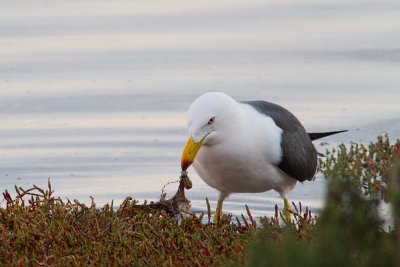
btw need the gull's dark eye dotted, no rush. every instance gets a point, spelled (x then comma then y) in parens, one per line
(211, 120)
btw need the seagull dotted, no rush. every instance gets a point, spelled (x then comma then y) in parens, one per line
(248, 147)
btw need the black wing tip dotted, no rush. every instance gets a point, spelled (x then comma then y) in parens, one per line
(315, 136)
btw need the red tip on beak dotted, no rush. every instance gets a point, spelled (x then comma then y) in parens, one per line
(185, 164)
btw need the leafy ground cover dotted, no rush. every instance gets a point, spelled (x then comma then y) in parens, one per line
(369, 166)
(38, 229)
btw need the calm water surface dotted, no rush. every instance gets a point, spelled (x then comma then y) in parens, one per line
(95, 95)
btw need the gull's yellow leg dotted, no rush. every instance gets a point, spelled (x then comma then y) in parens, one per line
(218, 211)
(286, 210)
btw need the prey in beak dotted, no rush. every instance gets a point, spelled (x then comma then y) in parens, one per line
(189, 153)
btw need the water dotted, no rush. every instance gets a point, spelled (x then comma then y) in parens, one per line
(94, 95)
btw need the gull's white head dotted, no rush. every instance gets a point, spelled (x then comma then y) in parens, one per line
(209, 118)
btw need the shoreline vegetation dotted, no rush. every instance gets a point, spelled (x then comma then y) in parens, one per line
(38, 229)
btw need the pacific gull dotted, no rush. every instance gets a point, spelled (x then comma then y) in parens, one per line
(248, 147)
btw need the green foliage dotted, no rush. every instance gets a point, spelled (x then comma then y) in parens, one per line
(39, 229)
(369, 166)
(49, 231)
(347, 233)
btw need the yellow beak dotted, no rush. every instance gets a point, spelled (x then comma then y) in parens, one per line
(189, 153)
